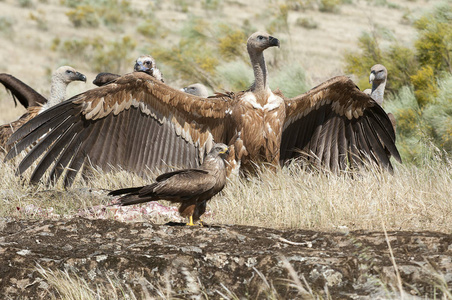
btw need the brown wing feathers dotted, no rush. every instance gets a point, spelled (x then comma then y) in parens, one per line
(22, 92)
(128, 138)
(336, 124)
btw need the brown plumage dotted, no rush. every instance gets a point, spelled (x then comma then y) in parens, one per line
(105, 78)
(33, 101)
(192, 188)
(21, 92)
(144, 63)
(139, 123)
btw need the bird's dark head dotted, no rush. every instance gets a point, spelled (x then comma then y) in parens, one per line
(378, 73)
(259, 41)
(68, 74)
(144, 63)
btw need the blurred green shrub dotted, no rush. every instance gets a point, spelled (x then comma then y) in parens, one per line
(329, 6)
(89, 13)
(419, 80)
(26, 3)
(307, 23)
(39, 17)
(434, 45)
(99, 54)
(6, 25)
(83, 16)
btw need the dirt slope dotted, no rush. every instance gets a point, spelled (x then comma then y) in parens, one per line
(355, 265)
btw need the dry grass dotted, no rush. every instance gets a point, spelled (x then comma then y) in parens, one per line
(414, 198)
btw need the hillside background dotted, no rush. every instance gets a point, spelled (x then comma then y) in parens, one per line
(38, 36)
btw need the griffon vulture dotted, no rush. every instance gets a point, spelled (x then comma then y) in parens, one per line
(33, 101)
(197, 89)
(378, 76)
(192, 188)
(144, 63)
(139, 123)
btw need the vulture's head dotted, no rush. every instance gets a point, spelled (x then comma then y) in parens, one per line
(146, 63)
(259, 41)
(196, 89)
(378, 73)
(68, 74)
(219, 150)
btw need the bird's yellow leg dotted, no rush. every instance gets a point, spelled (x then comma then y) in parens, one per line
(191, 222)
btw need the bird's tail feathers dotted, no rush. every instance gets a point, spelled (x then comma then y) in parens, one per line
(133, 190)
(133, 199)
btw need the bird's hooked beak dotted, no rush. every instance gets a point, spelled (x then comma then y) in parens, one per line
(139, 66)
(372, 77)
(225, 150)
(80, 76)
(273, 41)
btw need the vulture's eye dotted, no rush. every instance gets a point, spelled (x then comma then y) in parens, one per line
(260, 37)
(68, 71)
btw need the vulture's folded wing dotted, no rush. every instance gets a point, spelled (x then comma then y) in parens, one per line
(21, 91)
(337, 126)
(136, 123)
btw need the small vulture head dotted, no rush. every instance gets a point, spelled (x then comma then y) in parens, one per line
(378, 73)
(68, 74)
(196, 89)
(259, 41)
(219, 150)
(144, 63)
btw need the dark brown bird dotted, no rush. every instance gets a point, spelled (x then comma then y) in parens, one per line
(144, 63)
(32, 100)
(192, 188)
(139, 123)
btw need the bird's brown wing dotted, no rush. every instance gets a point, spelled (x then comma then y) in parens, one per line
(21, 91)
(180, 185)
(136, 123)
(7, 130)
(337, 126)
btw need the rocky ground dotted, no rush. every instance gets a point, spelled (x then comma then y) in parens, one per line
(222, 261)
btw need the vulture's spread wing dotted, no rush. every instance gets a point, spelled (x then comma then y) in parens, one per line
(136, 123)
(21, 91)
(337, 126)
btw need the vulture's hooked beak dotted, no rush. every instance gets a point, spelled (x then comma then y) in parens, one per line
(139, 66)
(80, 76)
(274, 41)
(372, 77)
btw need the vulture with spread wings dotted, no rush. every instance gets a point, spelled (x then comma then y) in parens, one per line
(138, 123)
